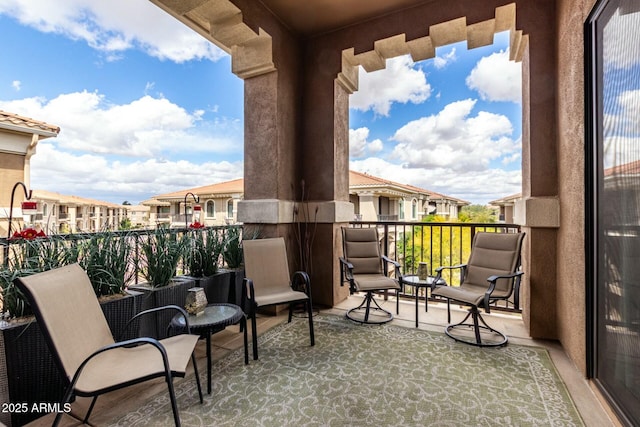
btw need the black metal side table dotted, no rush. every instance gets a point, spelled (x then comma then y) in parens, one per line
(418, 283)
(215, 318)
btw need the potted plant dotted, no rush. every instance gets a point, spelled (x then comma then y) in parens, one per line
(160, 253)
(202, 252)
(106, 257)
(25, 361)
(233, 258)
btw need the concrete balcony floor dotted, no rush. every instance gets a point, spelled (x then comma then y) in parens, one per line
(112, 405)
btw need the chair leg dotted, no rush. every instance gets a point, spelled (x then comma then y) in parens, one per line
(366, 306)
(195, 372)
(478, 325)
(88, 414)
(310, 312)
(290, 312)
(172, 397)
(254, 336)
(66, 399)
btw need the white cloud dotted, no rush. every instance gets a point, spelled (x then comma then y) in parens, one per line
(115, 26)
(16, 85)
(115, 181)
(146, 127)
(496, 78)
(619, 51)
(442, 61)
(359, 145)
(456, 141)
(398, 82)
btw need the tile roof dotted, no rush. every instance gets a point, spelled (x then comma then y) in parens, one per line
(359, 179)
(624, 169)
(234, 186)
(356, 179)
(30, 125)
(66, 199)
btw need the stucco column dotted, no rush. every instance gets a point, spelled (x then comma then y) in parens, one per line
(539, 210)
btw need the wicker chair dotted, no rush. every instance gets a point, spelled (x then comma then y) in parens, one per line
(268, 282)
(366, 270)
(491, 274)
(84, 349)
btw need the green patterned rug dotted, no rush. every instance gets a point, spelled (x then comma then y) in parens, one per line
(371, 375)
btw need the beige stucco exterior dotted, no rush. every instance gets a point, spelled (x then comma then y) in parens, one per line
(19, 137)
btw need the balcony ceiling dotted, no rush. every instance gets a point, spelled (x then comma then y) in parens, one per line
(311, 17)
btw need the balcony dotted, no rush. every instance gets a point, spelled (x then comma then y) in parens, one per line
(410, 243)
(112, 406)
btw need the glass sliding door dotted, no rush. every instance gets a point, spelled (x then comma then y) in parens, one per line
(613, 201)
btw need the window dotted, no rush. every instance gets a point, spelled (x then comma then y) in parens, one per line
(401, 207)
(414, 209)
(230, 209)
(613, 202)
(210, 209)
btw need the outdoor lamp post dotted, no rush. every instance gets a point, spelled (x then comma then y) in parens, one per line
(196, 199)
(28, 207)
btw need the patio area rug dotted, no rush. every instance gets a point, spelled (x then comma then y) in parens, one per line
(359, 375)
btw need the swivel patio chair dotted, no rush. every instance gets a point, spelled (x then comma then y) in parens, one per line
(367, 270)
(268, 282)
(491, 274)
(84, 349)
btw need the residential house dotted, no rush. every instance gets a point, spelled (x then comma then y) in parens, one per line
(218, 203)
(506, 206)
(19, 137)
(61, 214)
(378, 199)
(374, 199)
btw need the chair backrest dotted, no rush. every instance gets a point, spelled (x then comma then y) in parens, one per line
(68, 313)
(361, 248)
(265, 263)
(494, 254)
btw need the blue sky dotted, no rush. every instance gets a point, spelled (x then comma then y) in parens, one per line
(146, 106)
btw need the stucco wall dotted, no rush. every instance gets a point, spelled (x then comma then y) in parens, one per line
(571, 145)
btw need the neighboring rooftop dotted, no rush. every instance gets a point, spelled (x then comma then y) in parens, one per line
(18, 123)
(363, 180)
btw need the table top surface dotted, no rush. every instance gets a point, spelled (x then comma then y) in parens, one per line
(222, 314)
(415, 280)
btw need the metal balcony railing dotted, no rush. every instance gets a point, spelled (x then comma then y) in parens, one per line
(436, 243)
(54, 245)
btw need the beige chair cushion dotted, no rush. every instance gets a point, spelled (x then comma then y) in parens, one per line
(491, 254)
(123, 365)
(77, 326)
(374, 282)
(265, 263)
(73, 317)
(362, 250)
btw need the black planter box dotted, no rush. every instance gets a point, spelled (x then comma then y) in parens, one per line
(175, 293)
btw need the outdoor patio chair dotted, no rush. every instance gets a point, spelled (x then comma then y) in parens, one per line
(77, 333)
(268, 282)
(367, 270)
(491, 274)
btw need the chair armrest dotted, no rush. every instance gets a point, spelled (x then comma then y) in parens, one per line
(450, 267)
(128, 343)
(248, 296)
(181, 310)
(396, 266)
(346, 271)
(492, 285)
(463, 272)
(301, 279)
